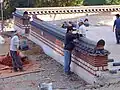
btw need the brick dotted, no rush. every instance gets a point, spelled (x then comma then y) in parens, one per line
(110, 60)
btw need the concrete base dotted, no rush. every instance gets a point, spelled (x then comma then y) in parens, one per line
(88, 77)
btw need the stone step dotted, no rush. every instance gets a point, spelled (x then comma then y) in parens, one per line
(110, 60)
(113, 71)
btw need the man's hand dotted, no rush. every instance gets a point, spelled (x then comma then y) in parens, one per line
(75, 40)
(113, 29)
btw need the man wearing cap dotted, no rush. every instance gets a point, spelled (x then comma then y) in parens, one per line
(14, 45)
(81, 29)
(116, 28)
(68, 47)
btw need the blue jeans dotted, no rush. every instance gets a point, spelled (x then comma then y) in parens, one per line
(117, 32)
(67, 60)
(16, 62)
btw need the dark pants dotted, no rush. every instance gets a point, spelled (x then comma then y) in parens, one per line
(117, 33)
(16, 62)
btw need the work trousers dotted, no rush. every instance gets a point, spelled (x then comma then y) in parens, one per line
(67, 61)
(16, 61)
(117, 33)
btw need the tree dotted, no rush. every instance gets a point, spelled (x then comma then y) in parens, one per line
(10, 5)
(113, 2)
(54, 3)
(79, 2)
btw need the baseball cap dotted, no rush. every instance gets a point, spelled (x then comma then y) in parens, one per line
(81, 20)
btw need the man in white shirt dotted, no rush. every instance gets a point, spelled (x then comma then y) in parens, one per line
(81, 28)
(14, 45)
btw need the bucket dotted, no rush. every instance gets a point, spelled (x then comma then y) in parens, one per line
(45, 86)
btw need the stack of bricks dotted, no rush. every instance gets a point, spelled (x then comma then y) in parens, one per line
(92, 53)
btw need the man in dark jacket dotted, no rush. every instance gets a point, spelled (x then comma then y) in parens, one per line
(69, 46)
(116, 27)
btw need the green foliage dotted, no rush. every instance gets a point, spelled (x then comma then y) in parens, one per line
(54, 3)
(79, 2)
(113, 2)
(94, 2)
(10, 5)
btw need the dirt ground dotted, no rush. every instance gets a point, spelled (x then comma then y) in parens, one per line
(47, 71)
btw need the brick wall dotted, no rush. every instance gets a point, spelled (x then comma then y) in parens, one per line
(86, 50)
